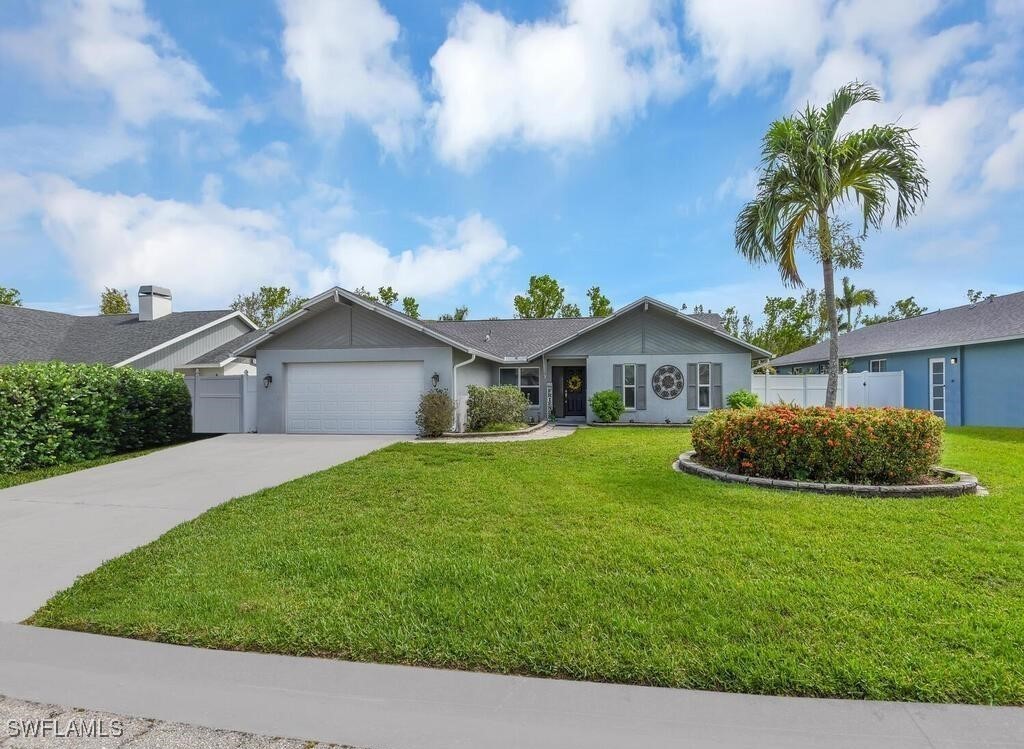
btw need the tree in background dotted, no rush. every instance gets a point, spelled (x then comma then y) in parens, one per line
(387, 295)
(461, 313)
(10, 296)
(973, 297)
(600, 306)
(900, 310)
(790, 324)
(853, 298)
(411, 307)
(808, 171)
(114, 302)
(268, 305)
(361, 291)
(544, 298)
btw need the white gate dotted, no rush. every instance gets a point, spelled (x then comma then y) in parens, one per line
(222, 405)
(855, 389)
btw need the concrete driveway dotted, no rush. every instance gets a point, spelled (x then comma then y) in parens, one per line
(60, 528)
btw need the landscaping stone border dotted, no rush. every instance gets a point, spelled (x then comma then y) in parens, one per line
(487, 435)
(662, 424)
(965, 484)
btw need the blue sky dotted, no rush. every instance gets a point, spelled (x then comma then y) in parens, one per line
(454, 149)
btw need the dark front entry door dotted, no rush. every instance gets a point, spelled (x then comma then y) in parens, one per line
(574, 385)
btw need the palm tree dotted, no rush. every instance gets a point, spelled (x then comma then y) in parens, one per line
(808, 172)
(854, 298)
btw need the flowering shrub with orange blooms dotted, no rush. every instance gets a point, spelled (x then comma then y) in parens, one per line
(838, 445)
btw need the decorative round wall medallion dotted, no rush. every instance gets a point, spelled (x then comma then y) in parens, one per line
(667, 382)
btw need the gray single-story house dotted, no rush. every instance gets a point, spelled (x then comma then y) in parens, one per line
(343, 364)
(965, 364)
(154, 338)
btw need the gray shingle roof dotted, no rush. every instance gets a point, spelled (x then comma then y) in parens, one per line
(511, 338)
(997, 318)
(36, 335)
(518, 338)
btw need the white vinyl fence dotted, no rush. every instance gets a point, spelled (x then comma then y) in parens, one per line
(855, 389)
(223, 405)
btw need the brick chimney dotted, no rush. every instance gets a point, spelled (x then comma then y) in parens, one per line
(154, 302)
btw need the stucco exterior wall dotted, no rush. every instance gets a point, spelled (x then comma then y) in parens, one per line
(735, 376)
(993, 378)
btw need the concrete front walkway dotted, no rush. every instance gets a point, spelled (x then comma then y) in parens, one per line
(401, 707)
(59, 528)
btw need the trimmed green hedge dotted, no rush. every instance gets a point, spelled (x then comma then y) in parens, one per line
(55, 413)
(499, 404)
(840, 445)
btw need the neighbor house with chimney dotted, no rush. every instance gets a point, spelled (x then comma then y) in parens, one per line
(157, 337)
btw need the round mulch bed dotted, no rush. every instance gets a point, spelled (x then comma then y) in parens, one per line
(949, 483)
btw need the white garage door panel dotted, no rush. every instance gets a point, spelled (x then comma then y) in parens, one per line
(353, 397)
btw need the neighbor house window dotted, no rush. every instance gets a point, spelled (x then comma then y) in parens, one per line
(629, 385)
(527, 379)
(704, 386)
(877, 365)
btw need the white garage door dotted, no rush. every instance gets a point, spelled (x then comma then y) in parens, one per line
(353, 397)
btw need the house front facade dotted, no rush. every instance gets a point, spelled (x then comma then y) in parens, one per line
(965, 364)
(343, 364)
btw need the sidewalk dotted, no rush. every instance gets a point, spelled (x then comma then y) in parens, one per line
(400, 707)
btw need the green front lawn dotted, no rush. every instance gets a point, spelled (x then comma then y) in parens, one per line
(36, 474)
(588, 558)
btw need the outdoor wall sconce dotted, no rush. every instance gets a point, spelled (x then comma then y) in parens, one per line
(953, 361)
(435, 378)
(267, 380)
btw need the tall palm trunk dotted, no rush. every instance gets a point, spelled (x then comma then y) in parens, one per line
(825, 243)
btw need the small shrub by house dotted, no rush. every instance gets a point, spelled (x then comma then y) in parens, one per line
(841, 445)
(54, 413)
(435, 414)
(742, 399)
(500, 404)
(607, 405)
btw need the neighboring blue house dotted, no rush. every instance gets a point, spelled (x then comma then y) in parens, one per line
(965, 364)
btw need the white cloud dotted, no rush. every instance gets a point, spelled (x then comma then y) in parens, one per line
(551, 83)
(927, 77)
(745, 41)
(1004, 168)
(473, 252)
(738, 186)
(272, 163)
(113, 47)
(320, 212)
(206, 253)
(73, 150)
(342, 55)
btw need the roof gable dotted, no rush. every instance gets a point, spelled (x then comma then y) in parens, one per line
(497, 340)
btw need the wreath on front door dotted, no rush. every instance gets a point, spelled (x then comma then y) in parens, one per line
(574, 384)
(667, 382)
